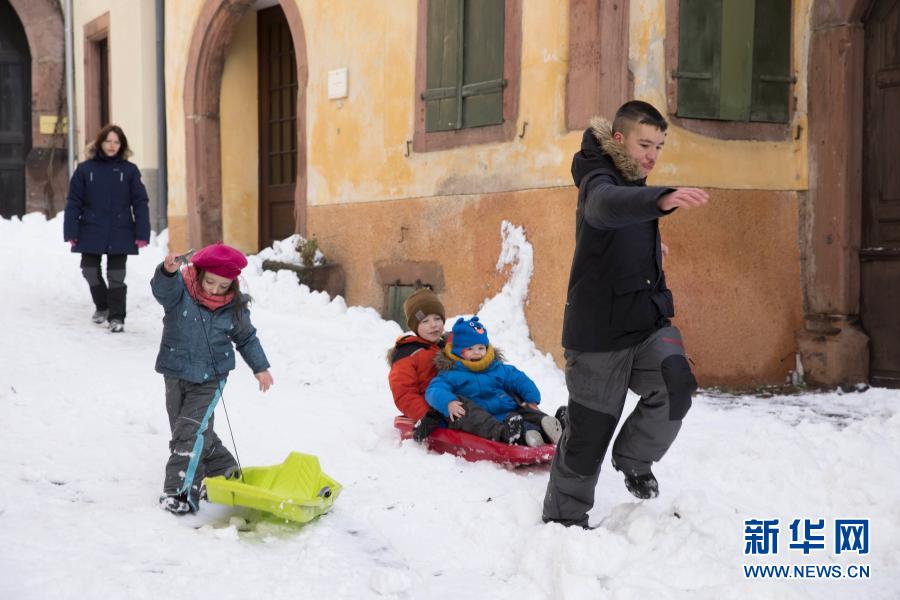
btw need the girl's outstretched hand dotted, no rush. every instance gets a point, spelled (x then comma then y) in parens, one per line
(170, 263)
(265, 380)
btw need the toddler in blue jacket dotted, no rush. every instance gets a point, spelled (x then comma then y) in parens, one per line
(478, 393)
(206, 319)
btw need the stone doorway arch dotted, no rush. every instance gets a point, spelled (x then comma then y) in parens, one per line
(46, 173)
(202, 84)
(833, 346)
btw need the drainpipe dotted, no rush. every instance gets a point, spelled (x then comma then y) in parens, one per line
(70, 88)
(162, 206)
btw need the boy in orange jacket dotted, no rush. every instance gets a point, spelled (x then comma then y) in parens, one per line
(412, 358)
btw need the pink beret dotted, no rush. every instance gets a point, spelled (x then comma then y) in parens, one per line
(220, 260)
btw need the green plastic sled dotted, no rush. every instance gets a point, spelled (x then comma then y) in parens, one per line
(297, 489)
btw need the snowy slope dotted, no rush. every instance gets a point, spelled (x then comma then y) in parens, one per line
(85, 434)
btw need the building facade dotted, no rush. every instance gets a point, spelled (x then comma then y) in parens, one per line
(401, 134)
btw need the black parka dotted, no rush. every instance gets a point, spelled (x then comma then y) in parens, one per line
(617, 292)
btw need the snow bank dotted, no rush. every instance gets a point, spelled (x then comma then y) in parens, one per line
(85, 435)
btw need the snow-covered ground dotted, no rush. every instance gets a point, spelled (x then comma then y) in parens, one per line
(84, 440)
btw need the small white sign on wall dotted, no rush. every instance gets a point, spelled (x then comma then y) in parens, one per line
(337, 84)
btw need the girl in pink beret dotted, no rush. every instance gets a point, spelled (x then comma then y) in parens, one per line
(206, 320)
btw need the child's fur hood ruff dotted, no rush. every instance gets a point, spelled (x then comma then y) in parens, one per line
(444, 361)
(627, 166)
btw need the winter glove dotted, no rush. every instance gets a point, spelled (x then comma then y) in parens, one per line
(141, 243)
(72, 242)
(426, 425)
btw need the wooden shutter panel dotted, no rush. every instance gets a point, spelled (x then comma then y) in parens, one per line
(396, 296)
(443, 93)
(699, 58)
(483, 82)
(771, 61)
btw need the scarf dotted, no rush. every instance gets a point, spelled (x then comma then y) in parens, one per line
(199, 294)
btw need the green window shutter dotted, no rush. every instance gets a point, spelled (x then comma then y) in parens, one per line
(771, 61)
(443, 93)
(464, 64)
(737, 60)
(483, 82)
(699, 58)
(396, 296)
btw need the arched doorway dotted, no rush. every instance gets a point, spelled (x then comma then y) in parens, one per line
(15, 111)
(203, 80)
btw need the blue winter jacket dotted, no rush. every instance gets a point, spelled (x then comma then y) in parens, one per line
(491, 388)
(183, 352)
(107, 207)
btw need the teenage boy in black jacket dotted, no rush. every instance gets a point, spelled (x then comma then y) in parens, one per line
(616, 329)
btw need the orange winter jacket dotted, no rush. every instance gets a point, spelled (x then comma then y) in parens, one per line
(412, 369)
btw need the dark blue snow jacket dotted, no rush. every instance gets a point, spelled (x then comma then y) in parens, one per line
(183, 352)
(107, 207)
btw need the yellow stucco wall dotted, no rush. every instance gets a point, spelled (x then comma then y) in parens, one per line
(377, 43)
(132, 73)
(735, 265)
(240, 139)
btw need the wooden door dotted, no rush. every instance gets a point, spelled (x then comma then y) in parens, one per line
(15, 113)
(277, 126)
(880, 254)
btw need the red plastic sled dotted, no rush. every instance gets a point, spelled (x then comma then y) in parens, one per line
(474, 448)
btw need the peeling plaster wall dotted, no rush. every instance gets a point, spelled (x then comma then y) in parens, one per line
(735, 265)
(370, 128)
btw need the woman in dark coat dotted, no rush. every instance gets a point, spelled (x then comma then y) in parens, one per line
(107, 213)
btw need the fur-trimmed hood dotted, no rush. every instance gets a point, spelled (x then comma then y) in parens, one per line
(444, 361)
(407, 344)
(599, 149)
(91, 152)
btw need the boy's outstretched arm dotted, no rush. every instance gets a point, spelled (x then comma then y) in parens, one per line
(608, 205)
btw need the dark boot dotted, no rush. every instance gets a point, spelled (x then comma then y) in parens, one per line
(175, 504)
(427, 424)
(513, 425)
(583, 523)
(643, 486)
(117, 292)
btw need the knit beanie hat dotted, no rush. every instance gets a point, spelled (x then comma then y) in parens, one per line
(220, 260)
(420, 304)
(467, 334)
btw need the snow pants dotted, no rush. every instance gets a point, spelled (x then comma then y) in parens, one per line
(480, 422)
(113, 296)
(195, 451)
(658, 371)
(477, 421)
